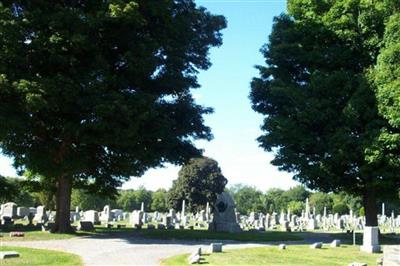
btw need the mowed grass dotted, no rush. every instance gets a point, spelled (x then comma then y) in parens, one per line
(205, 234)
(384, 238)
(31, 257)
(296, 255)
(38, 235)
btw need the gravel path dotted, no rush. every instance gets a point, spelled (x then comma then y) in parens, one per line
(124, 250)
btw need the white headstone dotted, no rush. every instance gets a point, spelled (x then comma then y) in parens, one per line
(370, 239)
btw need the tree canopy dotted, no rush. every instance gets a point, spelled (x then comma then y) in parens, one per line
(93, 93)
(319, 97)
(199, 181)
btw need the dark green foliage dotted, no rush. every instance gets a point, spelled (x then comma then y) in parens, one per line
(318, 98)
(275, 201)
(93, 92)
(130, 200)
(297, 193)
(7, 189)
(248, 199)
(296, 207)
(41, 189)
(159, 200)
(341, 208)
(86, 201)
(199, 181)
(93, 102)
(320, 200)
(16, 190)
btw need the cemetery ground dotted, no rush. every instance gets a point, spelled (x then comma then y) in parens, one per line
(110, 246)
(30, 256)
(272, 256)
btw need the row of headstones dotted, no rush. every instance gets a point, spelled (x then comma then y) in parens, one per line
(139, 218)
(310, 222)
(10, 211)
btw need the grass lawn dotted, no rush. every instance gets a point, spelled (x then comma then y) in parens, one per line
(38, 235)
(296, 255)
(204, 234)
(384, 239)
(31, 257)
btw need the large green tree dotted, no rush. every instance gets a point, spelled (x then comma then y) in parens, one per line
(319, 101)
(248, 199)
(199, 181)
(93, 92)
(159, 200)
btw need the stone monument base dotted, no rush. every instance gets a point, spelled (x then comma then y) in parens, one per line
(224, 227)
(371, 240)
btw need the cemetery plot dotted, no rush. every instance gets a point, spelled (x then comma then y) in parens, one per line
(29, 256)
(295, 255)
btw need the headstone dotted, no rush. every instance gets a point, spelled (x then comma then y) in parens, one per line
(311, 224)
(370, 240)
(105, 215)
(22, 212)
(335, 243)
(9, 210)
(167, 220)
(91, 216)
(40, 216)
(391, 255)
(136, 218)
(215, 247)
(224, 219)
(118, 214)
(85, 226)
(8, 254)
(282, 246)
(202, 216)
(194, 259)
(316, 245)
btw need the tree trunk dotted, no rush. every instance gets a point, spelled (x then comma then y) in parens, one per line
(63, 203)
(371, 210)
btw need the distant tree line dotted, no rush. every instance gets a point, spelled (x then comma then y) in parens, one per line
(247, 198)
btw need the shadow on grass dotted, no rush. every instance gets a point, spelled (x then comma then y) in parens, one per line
(384, 239)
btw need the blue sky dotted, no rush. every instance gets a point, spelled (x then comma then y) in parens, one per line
(225, 87)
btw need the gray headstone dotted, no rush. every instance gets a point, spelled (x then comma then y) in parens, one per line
(215, 247)
(9, 210)
(194, 259)
(316, 245)
(85, 226)
(8, 254)
(224, 219)
(391, 255)
(335, 243)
